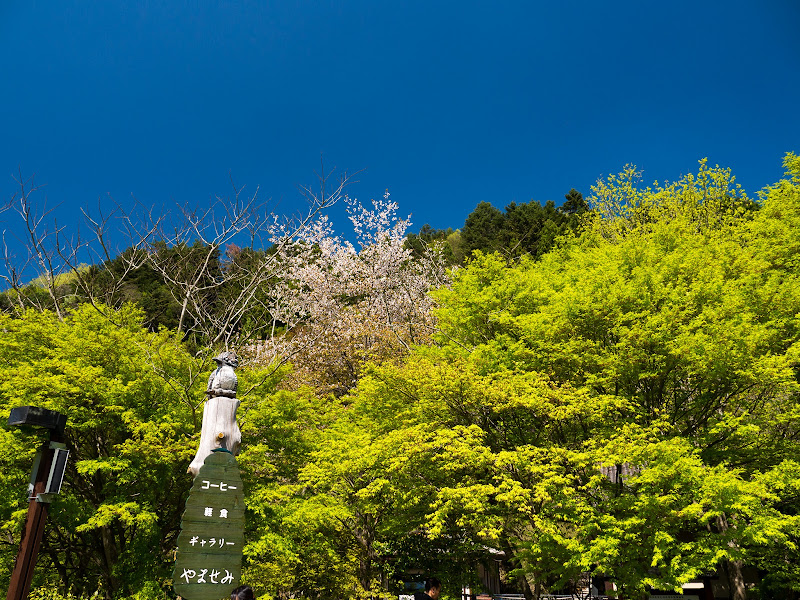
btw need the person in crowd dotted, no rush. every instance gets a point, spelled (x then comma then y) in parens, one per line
(243, 592)
(433, 587)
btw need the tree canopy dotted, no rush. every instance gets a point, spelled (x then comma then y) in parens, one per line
(607, 390)
(118, 515)
(625, 405)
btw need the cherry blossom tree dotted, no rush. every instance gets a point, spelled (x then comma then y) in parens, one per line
(360, 300)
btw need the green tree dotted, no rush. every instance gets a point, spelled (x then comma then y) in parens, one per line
(627, 404)
(116, 283)
(295, 543)
(113, 527)
(450, 241)
(574, 203)
(482, 228)
(527, 228)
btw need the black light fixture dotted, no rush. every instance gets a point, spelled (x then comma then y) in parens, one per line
(33, 416)
(54, 422)
(46, 479)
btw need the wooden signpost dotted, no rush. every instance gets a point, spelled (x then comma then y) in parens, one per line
(208, 563)
(220, 429)
(209, 559)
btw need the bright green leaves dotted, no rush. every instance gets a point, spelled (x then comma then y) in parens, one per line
(129, 514)
(707, 201)
(627, 403)
(127, 431)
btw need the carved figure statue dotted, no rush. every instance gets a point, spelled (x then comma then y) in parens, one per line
(223, 381)
(220, 430)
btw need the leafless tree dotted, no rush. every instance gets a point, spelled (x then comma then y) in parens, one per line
(99, 251)
(38, 241)
(229, 302)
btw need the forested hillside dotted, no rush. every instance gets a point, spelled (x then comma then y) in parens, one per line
(607, 389)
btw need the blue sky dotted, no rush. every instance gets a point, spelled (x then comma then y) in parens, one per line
(446, 104)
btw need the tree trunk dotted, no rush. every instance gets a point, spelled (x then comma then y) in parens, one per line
(183, 313)
(220, 430)
(110, 555)
(733, 568)
(365, 573)
(736, 579)
(531, 591)
(365, 537)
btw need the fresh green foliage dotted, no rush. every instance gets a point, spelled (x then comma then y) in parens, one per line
(627, 404)
(294, 542)
(622, 402)
(114, 525)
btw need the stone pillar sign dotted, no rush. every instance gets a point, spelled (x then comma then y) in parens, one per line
(209, 557)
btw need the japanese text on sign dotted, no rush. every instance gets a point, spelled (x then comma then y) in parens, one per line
(213, 576)
(222, 486)
(211, 542)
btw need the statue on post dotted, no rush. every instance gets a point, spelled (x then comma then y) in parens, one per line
(208, 559)
(220, 430)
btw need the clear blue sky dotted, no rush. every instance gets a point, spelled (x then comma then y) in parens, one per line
(444, 103)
